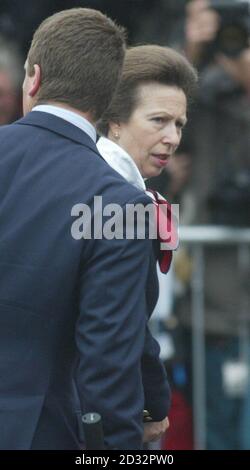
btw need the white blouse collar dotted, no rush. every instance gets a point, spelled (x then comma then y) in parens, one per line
(120, 161)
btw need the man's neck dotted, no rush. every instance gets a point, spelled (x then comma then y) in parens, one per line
(68, 113)
(69, 108)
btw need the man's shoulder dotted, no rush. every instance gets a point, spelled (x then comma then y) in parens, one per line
(94, 174)
(76, 165)
(10, 135)
(7, 128)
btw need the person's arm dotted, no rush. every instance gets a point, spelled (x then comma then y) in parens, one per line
(201, 27)
(156, 390)
(110, 336)
(155, 382)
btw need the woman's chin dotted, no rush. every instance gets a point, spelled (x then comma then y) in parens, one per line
(152, 173)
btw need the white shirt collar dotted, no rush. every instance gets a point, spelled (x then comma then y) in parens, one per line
(120, 161)
(69, 116)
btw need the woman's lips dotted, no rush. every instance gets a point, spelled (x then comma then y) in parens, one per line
(160, 159)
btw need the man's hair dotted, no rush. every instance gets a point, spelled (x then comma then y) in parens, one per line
(147, 64)
(80, 52)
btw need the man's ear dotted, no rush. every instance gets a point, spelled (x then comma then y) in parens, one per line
(35, 81)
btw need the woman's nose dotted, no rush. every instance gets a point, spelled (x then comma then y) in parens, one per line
(172, 135)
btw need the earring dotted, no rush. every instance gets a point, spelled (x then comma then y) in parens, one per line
(117, 136)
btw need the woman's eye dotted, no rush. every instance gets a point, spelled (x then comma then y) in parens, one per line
(180, 125)
(158, 120)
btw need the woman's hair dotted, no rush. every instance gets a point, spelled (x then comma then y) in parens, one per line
(147, 64)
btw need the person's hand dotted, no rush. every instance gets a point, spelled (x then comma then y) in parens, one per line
(154, 430)
(201, 26)
(238, 67)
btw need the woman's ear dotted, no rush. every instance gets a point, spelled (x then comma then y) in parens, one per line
(114, 129)
(35, 81)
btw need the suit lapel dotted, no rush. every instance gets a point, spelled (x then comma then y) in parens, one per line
(59, 126)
